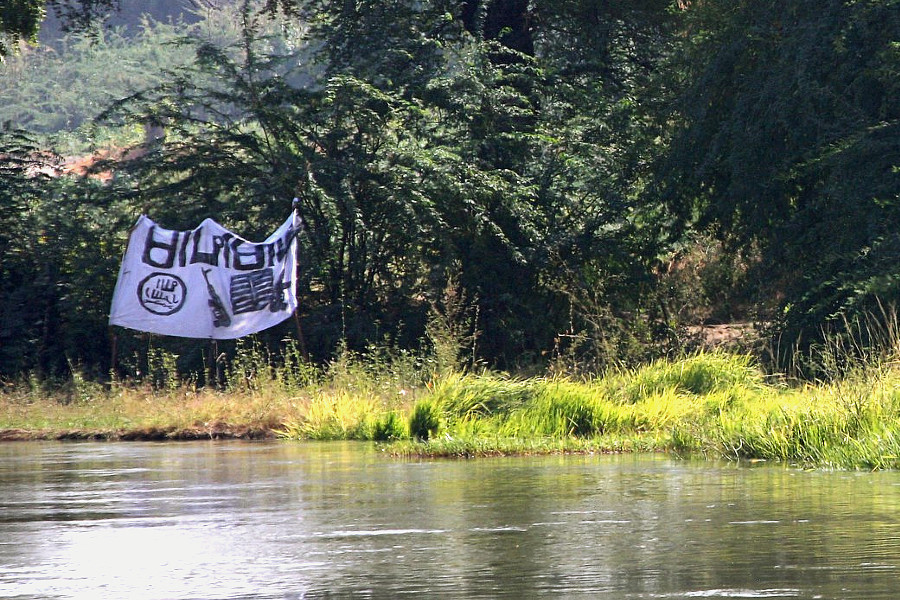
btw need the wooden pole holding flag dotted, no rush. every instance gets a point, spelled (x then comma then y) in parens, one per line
(295, 207)
(114, 351)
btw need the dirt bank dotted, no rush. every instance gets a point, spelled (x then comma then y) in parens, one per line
(216, 431)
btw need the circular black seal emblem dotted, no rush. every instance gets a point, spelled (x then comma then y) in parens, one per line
(162, 293)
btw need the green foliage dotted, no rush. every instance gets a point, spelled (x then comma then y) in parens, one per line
(850, 423)
(389, 428)
(377, 370)
(546, 161)
(734, 414)
(63, 89)
(162, 373)
(473, 165)
(703, 373)
(425, 420)
(452, 331)
(294, 371)
(786, 139)
(467, 396)
(339, 416)
(61, 247)
(19, 21)
(477, 167)
(562, 409)
(846, 424)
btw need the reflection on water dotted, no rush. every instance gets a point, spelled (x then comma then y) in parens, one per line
(297, 520)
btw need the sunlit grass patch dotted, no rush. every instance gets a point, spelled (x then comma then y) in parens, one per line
(464, 396)
(561, 408)
(712, 404)
(463, 446)
(845, 424)
(335, 416)
(702, 373)
(120, 409)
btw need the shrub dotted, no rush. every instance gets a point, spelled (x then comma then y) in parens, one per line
(425, 420)
(389, 428)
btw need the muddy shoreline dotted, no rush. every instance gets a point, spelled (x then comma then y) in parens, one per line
(219, 431)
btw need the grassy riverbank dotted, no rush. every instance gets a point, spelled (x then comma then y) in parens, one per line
(716, 404)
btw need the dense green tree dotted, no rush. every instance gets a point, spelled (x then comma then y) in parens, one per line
(18, 185)
(62, 90)
(20, 20)
(787, 140)
(418, 153)
(79, 15)
(60, 245)
(542, 156)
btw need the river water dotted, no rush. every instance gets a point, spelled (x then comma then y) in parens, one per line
(339, 520)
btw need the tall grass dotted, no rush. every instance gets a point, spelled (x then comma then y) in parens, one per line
(711, 403)
(352, 397)
(850, 423)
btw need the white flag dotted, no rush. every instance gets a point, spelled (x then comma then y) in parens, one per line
(205, 283)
